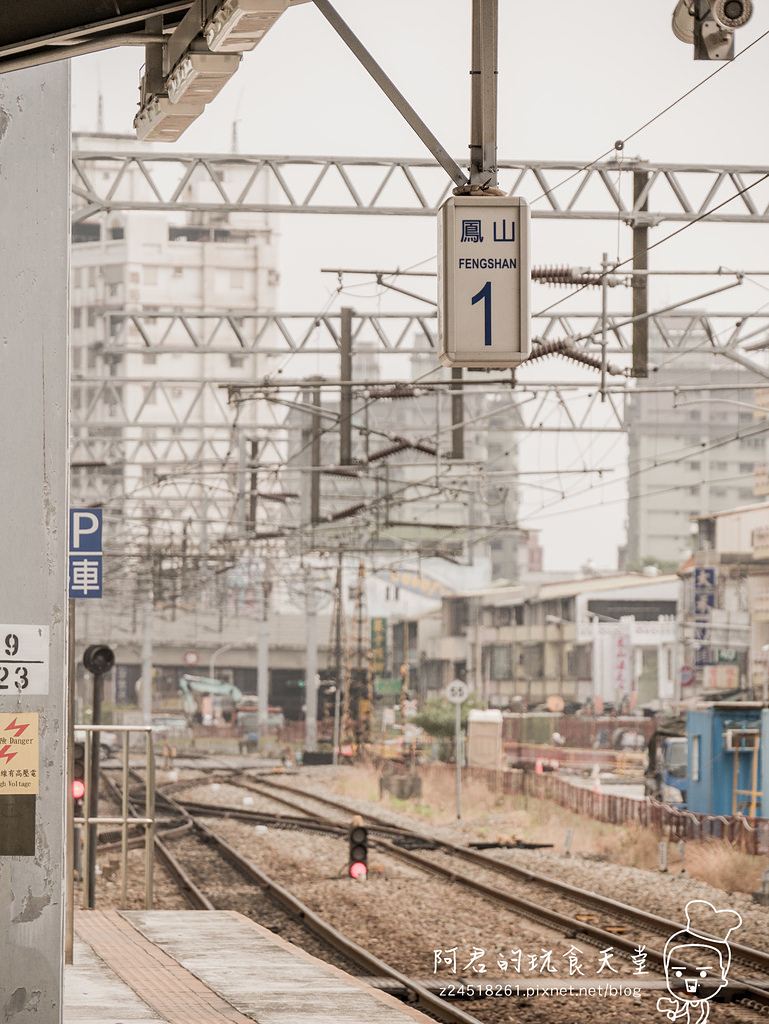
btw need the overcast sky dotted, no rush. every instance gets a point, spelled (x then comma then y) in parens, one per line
(573, 79)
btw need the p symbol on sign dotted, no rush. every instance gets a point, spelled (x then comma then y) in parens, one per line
(85, 529)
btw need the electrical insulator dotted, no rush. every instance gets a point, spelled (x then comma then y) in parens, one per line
(566, 276)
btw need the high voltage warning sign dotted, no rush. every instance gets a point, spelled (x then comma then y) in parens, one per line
(19, 754)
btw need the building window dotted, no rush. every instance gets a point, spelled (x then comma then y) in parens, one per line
(501, 662)
(695, 758)
(501, 616)
(458, 616)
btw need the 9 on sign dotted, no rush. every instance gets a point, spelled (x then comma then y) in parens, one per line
(23, 660)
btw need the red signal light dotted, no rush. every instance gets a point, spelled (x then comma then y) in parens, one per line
(78, 789)
(357, 863)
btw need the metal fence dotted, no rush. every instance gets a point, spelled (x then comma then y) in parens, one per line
(749, 834)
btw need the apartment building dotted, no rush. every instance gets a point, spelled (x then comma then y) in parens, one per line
(692, 452)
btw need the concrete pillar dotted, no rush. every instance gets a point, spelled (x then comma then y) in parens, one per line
(34, 263)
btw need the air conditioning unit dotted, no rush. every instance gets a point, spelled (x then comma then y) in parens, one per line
(741, 739)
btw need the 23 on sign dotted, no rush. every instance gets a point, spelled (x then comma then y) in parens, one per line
(484, 271)
(24, 660)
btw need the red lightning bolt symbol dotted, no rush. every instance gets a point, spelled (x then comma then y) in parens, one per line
(7, 752)
(18, 729)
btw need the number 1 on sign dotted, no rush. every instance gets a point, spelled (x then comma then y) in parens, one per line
(485, 294)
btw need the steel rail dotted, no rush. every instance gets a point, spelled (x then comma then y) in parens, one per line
(356, 953)
(194, 895)
(738, 988)
(746, 954)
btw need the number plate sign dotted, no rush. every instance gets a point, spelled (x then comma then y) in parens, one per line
(23, 661)
(484, 277)
(456, 691)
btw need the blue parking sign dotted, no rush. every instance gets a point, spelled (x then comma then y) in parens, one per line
(85, 552)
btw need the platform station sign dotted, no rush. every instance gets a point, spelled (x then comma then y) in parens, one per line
(483, 281)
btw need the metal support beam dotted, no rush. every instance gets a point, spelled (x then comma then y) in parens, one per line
(457, 414)
(483, 128)
(556, 190)
(315, 458)
(263, 663)
(311, 668)
(640, 280)
(345, 388)
(403, 107)
(154, 56)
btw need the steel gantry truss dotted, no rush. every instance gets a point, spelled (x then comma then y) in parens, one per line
(198, 461)
(235, 183)
(171, 332)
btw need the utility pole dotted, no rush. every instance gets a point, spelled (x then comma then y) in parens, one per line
(457, 414)
(483, 100)
(146, 694)
(483, 156)
(345, 388)
(315, 457)
(263, 661)
(311, 667)
(338, 607)
(640, 280)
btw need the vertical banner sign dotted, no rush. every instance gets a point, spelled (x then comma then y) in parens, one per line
(704, 602)
(623, 676)
(378, 646)
(483, 281)
(85, 552)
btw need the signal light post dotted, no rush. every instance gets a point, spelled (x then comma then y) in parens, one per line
(78, 794)
(98, 659)
(358, 860)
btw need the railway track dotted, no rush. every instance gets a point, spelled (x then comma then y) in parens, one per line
(575, 924)
(615, 911)
(206, 885)
(442, 859)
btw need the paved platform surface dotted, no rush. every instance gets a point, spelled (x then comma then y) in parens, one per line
(208, 967)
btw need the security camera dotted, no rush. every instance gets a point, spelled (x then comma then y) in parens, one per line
(710, 25)
(683, 21)
(731, 14)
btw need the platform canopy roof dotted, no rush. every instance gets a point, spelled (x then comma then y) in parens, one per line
(46, 30)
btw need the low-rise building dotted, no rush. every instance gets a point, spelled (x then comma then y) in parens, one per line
(610, 640)
(725, 607)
